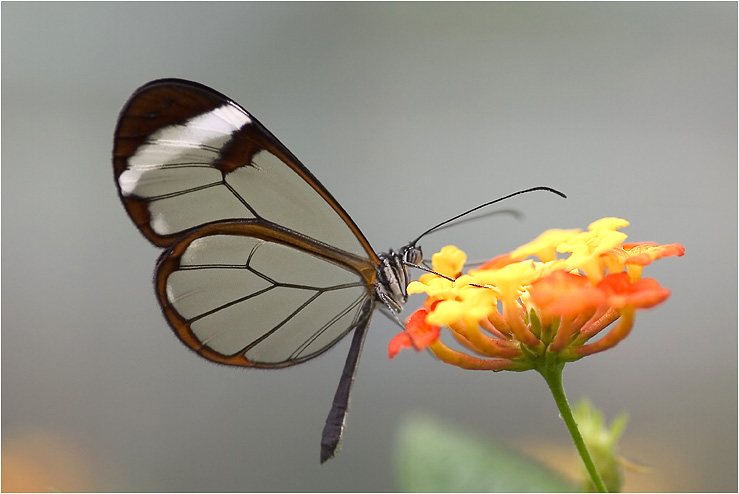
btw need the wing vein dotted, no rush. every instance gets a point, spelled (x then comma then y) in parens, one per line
(183, 192)
(326, 326)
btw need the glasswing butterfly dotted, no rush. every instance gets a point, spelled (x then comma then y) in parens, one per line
(262, 267)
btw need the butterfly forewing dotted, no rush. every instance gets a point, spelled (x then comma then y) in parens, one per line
(186, 156)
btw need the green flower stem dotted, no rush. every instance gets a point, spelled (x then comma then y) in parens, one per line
(552, 374)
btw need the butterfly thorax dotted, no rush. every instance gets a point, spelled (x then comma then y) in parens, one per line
(392, 275)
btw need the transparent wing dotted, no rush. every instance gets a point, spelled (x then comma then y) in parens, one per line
(186, 155)
(245, 293)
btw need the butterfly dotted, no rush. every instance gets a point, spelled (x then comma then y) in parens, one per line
(261, 267)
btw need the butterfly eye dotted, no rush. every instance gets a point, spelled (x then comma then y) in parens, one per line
(412, 255)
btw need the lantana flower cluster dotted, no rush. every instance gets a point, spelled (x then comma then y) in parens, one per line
(576, 298)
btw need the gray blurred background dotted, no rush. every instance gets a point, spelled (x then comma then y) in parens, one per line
(408, 114)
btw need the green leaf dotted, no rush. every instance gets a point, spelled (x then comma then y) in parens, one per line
(431, 457)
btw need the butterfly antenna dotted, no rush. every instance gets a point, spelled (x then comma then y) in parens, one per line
(450, 220)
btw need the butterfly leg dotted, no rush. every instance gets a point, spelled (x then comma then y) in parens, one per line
(334, 428)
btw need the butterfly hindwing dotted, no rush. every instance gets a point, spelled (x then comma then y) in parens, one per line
(242, 293)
